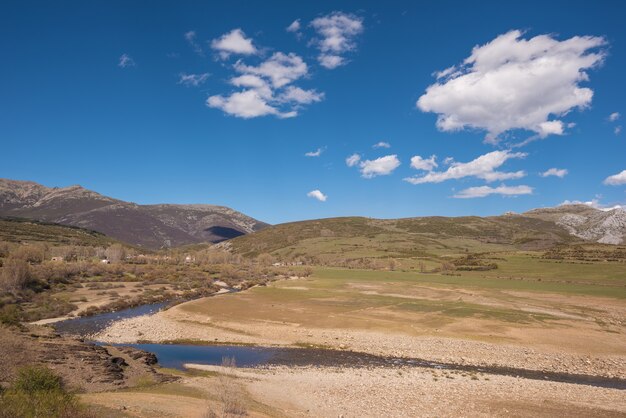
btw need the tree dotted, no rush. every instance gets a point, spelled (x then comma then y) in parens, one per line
(14, 275)
(115, 253)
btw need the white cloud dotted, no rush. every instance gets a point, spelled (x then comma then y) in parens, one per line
(557, 172)
(514, 83)
(616, 179)
(379, 167)
(192, 79)
(614, 116)
(126, 61)
(594, 203)
(294, 26)
(426, 164)
(353, 160)
(483, 191)
(245, 104)
(337, 32)
(617, 130)
(267, 89)
(483, 167)
(233, 42)
(448, 160)
(382, 144)
(281, 69)
(316, 194)
(315, 153)
(190, 37)
(298, 95)
(331, 61)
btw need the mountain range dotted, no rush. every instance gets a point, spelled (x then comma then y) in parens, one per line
(172, 225)
(149, 226)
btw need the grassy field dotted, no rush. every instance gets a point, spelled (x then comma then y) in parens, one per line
(527, 299)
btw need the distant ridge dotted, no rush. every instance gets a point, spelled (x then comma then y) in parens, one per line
(150, 226)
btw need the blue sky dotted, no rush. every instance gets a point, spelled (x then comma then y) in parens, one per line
(206, 103)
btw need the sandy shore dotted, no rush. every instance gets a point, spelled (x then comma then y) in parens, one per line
(349, 392)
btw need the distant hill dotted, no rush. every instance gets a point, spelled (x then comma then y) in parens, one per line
(150, 226)
(21, 230)
(355, 237)
(590, 224)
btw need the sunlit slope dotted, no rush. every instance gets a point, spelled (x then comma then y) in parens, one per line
(355, 237)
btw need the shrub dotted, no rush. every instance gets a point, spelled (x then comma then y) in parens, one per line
(10, 315)
(14, 275)
(38, 392)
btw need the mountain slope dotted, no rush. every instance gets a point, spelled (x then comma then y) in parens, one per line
(150, 226)
(28, 231)
(356, 237)
(590, 224)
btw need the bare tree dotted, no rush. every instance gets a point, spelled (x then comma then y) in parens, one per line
(14, 275)
(115, 253)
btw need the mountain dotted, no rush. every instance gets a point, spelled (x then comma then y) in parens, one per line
(150, 226)
(607, 226)
(357, 237)
(25, 230)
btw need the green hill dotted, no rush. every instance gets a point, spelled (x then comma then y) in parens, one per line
(356, 237)
(20, 230)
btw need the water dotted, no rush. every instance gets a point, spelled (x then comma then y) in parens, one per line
(176, 355)
(92, 324)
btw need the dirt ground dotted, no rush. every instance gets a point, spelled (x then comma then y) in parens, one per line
(377, 392)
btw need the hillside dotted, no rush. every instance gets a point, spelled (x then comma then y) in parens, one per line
(150, 226)
(19, 230)
(356, 237)
(603, 226)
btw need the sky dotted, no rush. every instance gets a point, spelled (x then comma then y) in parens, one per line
(300, 110)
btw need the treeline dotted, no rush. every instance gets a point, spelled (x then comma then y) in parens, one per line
(33, 275)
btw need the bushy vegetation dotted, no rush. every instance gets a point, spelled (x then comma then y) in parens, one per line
(37, 279)
(38, 392)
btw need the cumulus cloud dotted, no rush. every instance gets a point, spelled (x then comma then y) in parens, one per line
(294, 26)
(298, 95)
(245, 104)
(426, 164)
(379, 167)
(382, 144)
(315, 153)
(556, 172)
(192, 80)
(316, 194)
(614, 116)
(616, 179)
(267, 89)
(483, 191)
(617, 130)
(233, 42)
(353, 160)
(281, 69)
(594, 203)
(126, 61)
(337, 34)
(190, 37)
(514, 83)
(483, 167)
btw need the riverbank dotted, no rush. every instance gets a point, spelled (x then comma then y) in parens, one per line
(405, 391)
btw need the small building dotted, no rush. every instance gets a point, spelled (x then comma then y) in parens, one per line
(57, 259)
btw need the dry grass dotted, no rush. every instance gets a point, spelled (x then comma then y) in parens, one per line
(229, 395)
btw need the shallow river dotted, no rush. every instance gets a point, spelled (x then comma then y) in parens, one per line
(177, 355)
